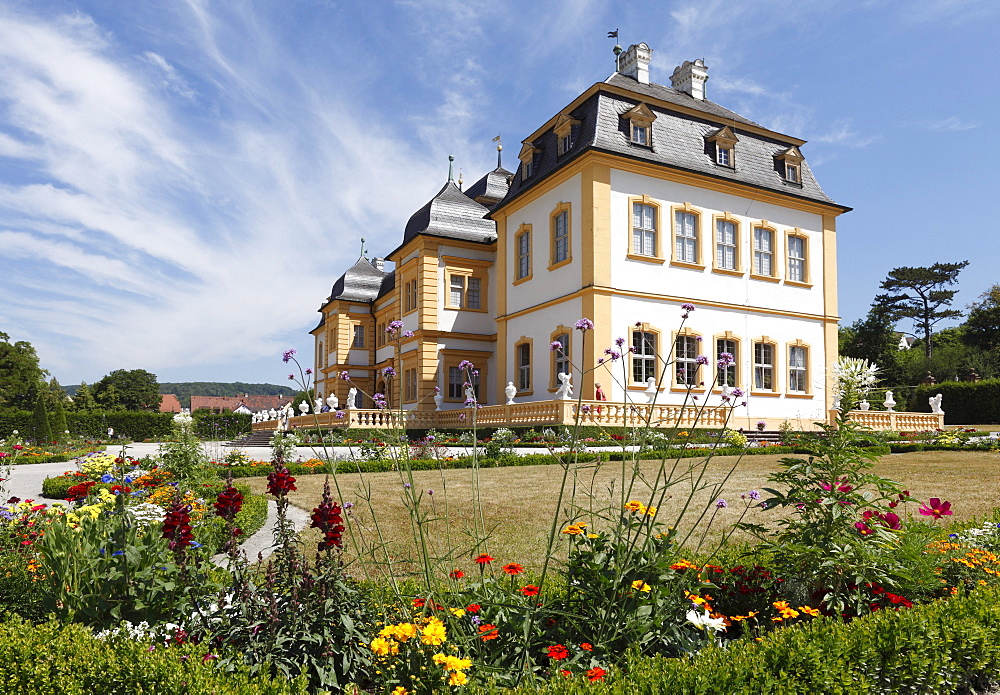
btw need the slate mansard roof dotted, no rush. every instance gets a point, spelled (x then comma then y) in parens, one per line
(361, 282)
(451, 214)
(678, 139)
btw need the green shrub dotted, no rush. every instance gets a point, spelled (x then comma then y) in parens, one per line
(54, 659)
(939, 647)
(964, 402)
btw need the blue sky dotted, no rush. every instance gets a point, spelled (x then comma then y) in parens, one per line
(182, 182)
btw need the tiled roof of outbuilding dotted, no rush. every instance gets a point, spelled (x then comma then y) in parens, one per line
(453, 215)
(677, 140)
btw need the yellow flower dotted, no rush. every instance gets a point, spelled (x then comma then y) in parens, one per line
(458, 678)
(814, 612)
(642, 586)
(383, 647)
(573, 530)
(457, 612)
(650, 511)
(456, 663)
(439, 659)
(434, 632)
(635, 506)
(592, 535)
(400, 690)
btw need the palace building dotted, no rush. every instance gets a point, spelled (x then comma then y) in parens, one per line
(630, 201)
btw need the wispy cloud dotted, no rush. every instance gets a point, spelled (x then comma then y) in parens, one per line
(951, 124)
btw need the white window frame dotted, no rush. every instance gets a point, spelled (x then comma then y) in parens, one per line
(798, 369)
(560, 241)
(524, 367)
(639, 133)
(643, 356)
(523, 251)
(727, 375)
(643, 237)
(760, 254)
(796, 261)
(358, 341)
(763, 366)
(686, 360)
(685, 236)
(560, 358)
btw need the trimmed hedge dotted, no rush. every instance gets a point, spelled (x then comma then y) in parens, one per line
(941, 647)
(54, 659)
(964, 402)
(136, 425)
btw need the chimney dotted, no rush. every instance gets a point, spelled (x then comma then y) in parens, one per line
(690, 78)
(379, 264)
(634, 62)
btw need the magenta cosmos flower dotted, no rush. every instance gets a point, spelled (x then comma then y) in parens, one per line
(936, 508)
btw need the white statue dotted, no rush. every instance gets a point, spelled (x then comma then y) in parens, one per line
(864, 405)
(889, 402)
(333, 402)
(565, 390)
(935, 402)
(836, 401)
(304, 407)
(470, 396)
(318, 406)
(438, 400)
(650, 390)
(510, 391)
(352, 398)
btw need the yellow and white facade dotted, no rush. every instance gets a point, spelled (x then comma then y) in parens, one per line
(630, 202)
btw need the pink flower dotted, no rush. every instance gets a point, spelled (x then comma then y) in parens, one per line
(936, 508)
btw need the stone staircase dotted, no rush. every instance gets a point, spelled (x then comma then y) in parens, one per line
(258, 438)
(769, 436)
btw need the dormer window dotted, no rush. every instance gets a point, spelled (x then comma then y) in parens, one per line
(640, 125)
(789, 165)
(529, 157)
(564, 130)
(722, 144)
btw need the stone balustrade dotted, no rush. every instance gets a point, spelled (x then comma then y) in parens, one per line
(895, 422)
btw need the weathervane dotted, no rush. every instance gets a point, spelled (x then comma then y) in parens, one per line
(617, 50)
(362, 247)
(499, 150)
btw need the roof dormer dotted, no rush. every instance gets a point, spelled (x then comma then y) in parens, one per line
(565, 130)
(640, 125)
(722, 146)
(529, 156)
(788, 163)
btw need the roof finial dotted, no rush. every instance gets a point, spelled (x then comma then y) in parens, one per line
(499, 150)
(362, 247)
(451, 160)
(459, 179)
(617, 50)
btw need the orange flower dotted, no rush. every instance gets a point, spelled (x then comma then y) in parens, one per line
(488, 632)
(512, 568)
(483, 559)
(596, 673)
(456, 574)
(587, 647)
(473, 607)
(529, 590)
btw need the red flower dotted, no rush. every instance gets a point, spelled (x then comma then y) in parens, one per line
(473, 607)
(79, 492)
(483, 559)
(587, 647)
(177, 526)
(512, 568)
(529, 590)
(936, 508)
(419, 602)
(557, 652)
(326, 517)
(228, 503)
(280, 482)
(456, 574)
(488, 632)
(596, 673)
(566, 674)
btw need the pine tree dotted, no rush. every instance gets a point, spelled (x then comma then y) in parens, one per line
(59, 427)
(84, 398)
(41, 432)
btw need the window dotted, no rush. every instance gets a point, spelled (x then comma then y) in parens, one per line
(640, 134)
(456, 383)
(563, 129)
(792, 173)
(643, 356)
(643, 229)
(458, 377)
(560, 237)
(685, 360)
(727, 374)
(686, 237)
(763, 366)
(524, 367)
(763, 251)
(359, 336)
(640, 124)
(560, 358)
(410, 385)
(523, 249)
(473, 293)
(409, 296)
(565, 143)
(725, 245)
(796, 259)
(526, 170)
(457, 291)
(320, 357)
(528, 157)
(465, 292)
(380, 334)
(723, 155)
(797, 369)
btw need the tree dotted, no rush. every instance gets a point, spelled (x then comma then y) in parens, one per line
(873, 338)
(128, 389)
(20, 375)
(84, 398)
(59, 427)
(918, 294)
(982, 327)
(40, 430)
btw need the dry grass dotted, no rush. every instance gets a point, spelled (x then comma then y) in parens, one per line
(519, 502)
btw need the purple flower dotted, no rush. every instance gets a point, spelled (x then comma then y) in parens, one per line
(287, 355)
(346, 376)
(721, 504)
(309, 371)
(585, 325)
(614, 354)
(737, 393)
(585, 408)
(437, 389)
(348, 505)
(555, 345)
(474, 372)
(465, 364)
(754, 495)
(687, 307)
(430, 492)
(406, 485)
(461, 417)
(725, 359)
(619, 341)
(291, 377)
(407, 334)
(761, 425)
(470, 402)
(388, 372)
(339, 414)
(394, 326)
(701, 359)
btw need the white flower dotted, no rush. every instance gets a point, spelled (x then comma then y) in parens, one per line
(704, 621)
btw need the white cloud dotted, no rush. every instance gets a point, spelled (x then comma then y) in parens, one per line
(951, 124)
(172, 79)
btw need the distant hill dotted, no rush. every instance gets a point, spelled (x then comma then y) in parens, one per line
(185, 389)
